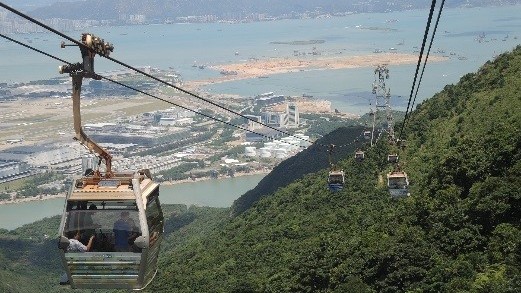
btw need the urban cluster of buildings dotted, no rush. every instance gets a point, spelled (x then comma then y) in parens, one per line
(146, 133)
(22, 161)
(10, 24)
(118, 138)
(14, 25)
(280, 149)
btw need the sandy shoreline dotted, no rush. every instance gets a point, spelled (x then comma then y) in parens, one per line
(265, 68)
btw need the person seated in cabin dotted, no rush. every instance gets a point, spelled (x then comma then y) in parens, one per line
(338, 179)
(75, 244)
(122, 232)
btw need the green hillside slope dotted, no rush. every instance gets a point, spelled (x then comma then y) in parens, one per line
(308, 161)
(459, 231)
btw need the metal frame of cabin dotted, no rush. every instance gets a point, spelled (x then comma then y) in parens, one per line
(111, 269)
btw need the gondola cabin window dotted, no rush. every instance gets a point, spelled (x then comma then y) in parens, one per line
(112, 223)
(154, 216)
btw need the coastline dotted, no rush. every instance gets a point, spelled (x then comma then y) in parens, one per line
(33, 198)
(265, 67)
(238, 174)
(166, 183)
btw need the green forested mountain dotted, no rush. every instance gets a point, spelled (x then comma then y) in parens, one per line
(459, 231)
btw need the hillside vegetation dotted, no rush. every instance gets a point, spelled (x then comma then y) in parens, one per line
(310, 160)
(459, 231)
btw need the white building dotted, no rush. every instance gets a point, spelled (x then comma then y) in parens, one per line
(292, 116)
(89, 161)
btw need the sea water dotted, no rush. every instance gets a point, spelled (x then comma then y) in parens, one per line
(185, 47)
(212, 193)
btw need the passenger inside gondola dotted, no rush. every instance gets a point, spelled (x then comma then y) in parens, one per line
(134, 233)
(114, 225)
(122, 232)
(75, 245)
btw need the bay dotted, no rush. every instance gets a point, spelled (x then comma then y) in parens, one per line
(212, 193)
(180, 46)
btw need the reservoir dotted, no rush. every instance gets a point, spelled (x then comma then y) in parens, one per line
(211, 193)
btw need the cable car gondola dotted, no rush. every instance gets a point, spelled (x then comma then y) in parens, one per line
(367, 135)
(402, 143)
(112, 225)
(398, 184)
(336, 178)
(126, 220)
(359, 156)
(392, 158)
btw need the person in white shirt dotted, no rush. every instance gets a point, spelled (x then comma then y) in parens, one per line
(76, 246)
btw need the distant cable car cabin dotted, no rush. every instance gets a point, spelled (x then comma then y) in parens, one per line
(359, 156)
(398, 184)
(336, 178)
(367, 135)
(402, 143)
(392, 158)
(112, 225)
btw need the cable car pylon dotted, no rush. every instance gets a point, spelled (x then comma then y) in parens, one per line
(336, 177)
(382, 102)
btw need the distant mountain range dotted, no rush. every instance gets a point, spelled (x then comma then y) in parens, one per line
(29, 5)
(224, 9)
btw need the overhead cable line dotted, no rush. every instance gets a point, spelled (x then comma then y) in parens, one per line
(33, 20)
(427, 28)
(427, 56)
(137, 90)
